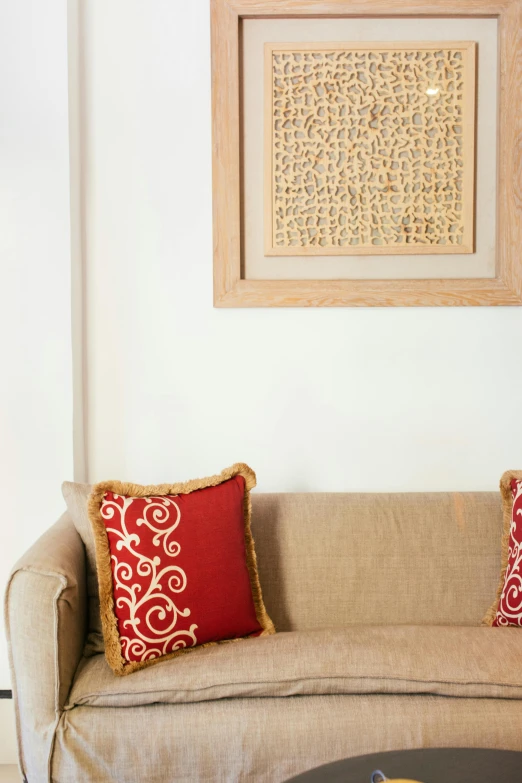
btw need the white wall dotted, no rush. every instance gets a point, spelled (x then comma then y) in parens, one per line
(8, 753)
(35, 317)
(381, 399)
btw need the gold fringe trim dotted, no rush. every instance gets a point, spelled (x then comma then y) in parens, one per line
(507, 509)
(111, 636)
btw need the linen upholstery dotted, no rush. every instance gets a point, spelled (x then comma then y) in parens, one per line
(267, 740)
(45, 605)
(336, 559)
(449, 661)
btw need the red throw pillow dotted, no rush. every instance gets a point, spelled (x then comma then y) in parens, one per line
(507, 609)
(176, 567)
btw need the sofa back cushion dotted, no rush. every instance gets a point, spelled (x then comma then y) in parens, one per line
(76, 496)
(327, 560)
(335, 559)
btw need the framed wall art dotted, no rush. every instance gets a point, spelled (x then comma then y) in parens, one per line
(367, 153)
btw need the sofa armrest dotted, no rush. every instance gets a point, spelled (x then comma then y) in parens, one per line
(45, 615)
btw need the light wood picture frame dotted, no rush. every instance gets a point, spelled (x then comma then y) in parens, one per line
(232, 289)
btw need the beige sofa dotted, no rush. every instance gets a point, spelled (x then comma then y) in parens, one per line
(378, 600)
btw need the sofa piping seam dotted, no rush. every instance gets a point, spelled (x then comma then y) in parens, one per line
(426, 681)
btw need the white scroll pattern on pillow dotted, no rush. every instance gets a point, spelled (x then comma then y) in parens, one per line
(141, 587)
(510, 606)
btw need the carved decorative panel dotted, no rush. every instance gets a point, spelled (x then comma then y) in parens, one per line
(369, 148)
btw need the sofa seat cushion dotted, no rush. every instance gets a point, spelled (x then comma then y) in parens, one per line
(245, 741)
(449, 661)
